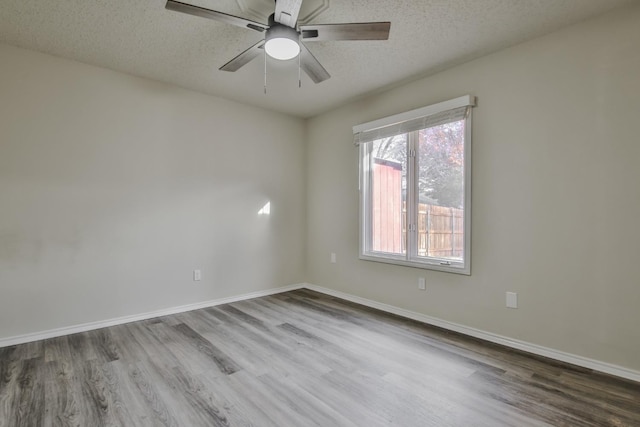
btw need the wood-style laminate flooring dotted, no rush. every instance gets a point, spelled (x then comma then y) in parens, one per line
(297, 359)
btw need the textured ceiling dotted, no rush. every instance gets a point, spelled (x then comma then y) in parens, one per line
(144, 39)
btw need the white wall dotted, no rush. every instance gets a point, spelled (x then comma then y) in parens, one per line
(556, 194)
(114, 188)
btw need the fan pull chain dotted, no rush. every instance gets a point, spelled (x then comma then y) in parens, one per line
(265, 71)
(299, 68)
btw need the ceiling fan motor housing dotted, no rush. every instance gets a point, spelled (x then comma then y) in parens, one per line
(279, 31)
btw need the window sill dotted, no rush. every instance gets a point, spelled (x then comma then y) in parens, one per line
(457, 269)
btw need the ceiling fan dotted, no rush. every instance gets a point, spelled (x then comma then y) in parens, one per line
(284, 38)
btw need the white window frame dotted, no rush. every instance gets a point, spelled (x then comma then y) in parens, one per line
(410, 259)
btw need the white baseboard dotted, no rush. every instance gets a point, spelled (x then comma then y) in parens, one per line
(585, 362)
(574, 359)
(68, 330)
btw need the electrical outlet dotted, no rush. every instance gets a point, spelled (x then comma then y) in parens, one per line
(512, 300)
(333, 258)
(422, 284)
(197, 275)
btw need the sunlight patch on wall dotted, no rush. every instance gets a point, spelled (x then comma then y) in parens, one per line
(266, 209)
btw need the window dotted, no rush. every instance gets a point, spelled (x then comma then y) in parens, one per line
(415, 187)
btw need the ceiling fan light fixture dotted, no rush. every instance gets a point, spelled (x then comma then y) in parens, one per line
(281, 48)
(282, 42)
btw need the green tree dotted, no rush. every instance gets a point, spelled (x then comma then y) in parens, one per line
(440, 162)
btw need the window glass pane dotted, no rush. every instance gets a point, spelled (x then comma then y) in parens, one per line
(388, 195)
(440, 210)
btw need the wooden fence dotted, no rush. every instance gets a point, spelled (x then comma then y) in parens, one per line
(440, 229)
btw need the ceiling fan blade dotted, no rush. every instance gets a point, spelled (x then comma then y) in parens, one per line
(312, 66)
(287, 12)
(244, 58)
(215, 15)
(355, 31)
